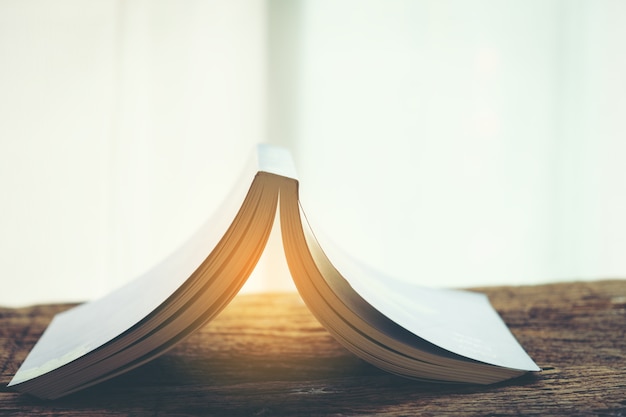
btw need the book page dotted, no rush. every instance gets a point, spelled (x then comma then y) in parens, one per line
(461, 322)
(82, 329)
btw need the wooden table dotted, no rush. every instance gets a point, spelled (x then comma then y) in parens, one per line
(265, 355)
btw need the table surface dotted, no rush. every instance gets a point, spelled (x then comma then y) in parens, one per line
(266, 355)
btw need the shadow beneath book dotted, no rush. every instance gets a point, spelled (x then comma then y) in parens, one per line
(185, 382)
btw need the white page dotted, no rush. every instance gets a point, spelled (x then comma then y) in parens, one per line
(86, 327)
(461, 322)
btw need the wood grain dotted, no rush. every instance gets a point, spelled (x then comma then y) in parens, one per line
(266, 355)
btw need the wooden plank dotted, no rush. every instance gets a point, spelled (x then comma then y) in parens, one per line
(266, 355)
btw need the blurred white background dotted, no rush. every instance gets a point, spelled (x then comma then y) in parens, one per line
(450, 143)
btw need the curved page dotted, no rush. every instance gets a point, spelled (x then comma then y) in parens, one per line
(83, 329)
(460, 322)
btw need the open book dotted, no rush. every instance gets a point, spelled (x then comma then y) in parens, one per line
(417, 332)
